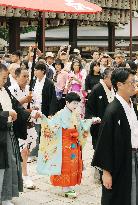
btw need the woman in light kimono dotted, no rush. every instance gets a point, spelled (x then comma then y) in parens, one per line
(60, 150)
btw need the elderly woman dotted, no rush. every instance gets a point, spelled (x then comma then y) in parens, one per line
(13, 123)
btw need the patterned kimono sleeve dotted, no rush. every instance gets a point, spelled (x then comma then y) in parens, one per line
(84, 130)
(50, 154)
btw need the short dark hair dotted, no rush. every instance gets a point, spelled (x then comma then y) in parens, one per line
(17, 53)
(120, 75)
(19, 70)
(3, 67)
(93, 64)
(41, 66)
(106, 72)
(133, 65)
(92, 52)
(25, 63)
(70, 97)
(58, 62)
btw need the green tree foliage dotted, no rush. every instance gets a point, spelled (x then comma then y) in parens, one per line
(4, 32)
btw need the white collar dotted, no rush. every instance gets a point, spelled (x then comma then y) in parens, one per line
(42, 80)
(109, 93)
(132, 120)
(124, 102)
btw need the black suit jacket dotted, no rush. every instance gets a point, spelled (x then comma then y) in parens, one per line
(49, 100)
(19, 128)
(114, 154)
(95, 107)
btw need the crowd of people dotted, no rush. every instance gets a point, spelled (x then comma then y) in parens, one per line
(48, 104)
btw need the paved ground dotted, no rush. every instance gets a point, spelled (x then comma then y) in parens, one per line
(88, 192)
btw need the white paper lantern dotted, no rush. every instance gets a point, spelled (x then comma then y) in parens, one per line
(134, 4)
(47, 15)
(97, 17)
(73, 16)
(61, 16)
(52, 15)
(2, 10)
(122, 17)
(119, 4)
(102, 17)
(109, 3)
(127, 16)
(107, 15)
(103, 3)
(17, 13)
(32, 14)
(24, 13)
(86, 17)
(91, 17)
(9, 12)
(80, 16)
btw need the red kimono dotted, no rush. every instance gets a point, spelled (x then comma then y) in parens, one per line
(71, 172)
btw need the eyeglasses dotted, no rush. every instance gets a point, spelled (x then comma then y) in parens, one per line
(132, 82)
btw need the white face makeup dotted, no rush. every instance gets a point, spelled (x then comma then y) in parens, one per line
(72, 106)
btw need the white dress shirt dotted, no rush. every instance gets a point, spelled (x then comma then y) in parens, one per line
(18, 93)
(132, 120)
(37, 93)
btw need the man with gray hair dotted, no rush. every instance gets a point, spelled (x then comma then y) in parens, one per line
(101, 95)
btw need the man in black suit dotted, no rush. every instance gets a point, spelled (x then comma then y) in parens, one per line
(101, 95)
(44, 96)
(44, 91)
(117, 148)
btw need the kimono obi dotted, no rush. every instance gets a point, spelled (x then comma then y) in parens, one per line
(71, 170)
(70, 141)
(76, 87)
(71, 133)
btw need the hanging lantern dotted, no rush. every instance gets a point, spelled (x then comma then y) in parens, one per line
(9, 12)
(61, 15)
(17, 13)
(2, 10)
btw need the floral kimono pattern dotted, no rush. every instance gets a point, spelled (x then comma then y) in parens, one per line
(51, 142)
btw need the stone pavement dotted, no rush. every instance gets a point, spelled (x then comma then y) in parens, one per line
(88, 193)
